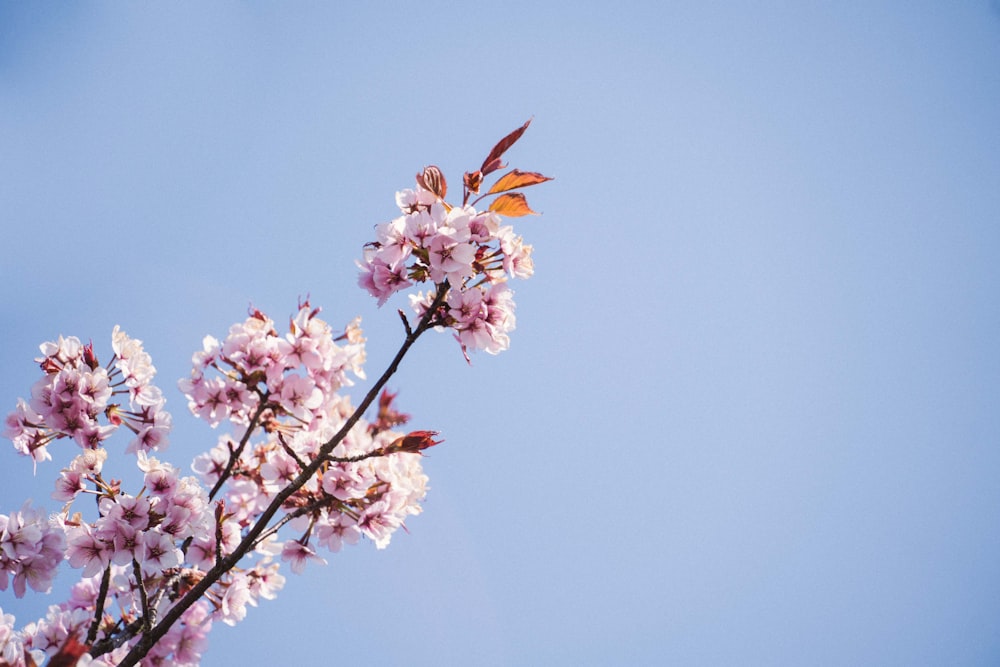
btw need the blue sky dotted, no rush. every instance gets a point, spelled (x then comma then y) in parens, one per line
(751, 412)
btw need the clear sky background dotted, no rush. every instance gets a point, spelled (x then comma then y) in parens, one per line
(751, 412)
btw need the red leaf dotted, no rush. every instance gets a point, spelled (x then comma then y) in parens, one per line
(511, 205)
(492, 161)
(517, 179)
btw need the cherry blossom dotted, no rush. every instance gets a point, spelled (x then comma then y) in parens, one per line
(296, 467)
(31, 548)
(298, 554)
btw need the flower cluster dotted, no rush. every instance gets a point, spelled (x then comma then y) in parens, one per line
(75, 392)
(280, 394)
(468, 255)
(144, 529)
(297, 375)
(436, 242)
(469, 251)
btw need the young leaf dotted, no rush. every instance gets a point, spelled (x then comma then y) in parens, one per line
(473, 180)
(492, 161)
(511, 205)
(433, 180)
(517, 179)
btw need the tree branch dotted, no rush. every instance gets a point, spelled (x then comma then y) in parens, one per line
(250, 539)
(102, 595)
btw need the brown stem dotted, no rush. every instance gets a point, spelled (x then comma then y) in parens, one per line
(102, 595)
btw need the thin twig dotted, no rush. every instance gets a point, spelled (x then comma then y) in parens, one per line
(360, 457)
(406, 322)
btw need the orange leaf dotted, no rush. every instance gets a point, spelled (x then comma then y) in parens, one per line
(517, 179)
(492, 161)
(511, 205)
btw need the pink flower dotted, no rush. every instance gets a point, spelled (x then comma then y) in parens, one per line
(178, 522)
(381, 279)
(86, 550)
(451, 260)
(483, 226)
(69, 484)
(126, 540)
(160, 478)
(130, 510)
(159, 552)
(393, 246)
(516, 254)
(411, 200)
(422, 226)
(298, 555)
(26, 429)
(233, 607)
(336, 530)
(244, 500)
(210, 401)
(299, 396)
(378, 524)
(345, 481)
(265, 582)
(133, 362)
(277, 471)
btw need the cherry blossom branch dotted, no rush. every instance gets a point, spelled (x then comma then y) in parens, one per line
(227, 563)
(465, 256)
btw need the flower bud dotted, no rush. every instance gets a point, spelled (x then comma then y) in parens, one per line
(413, 442)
